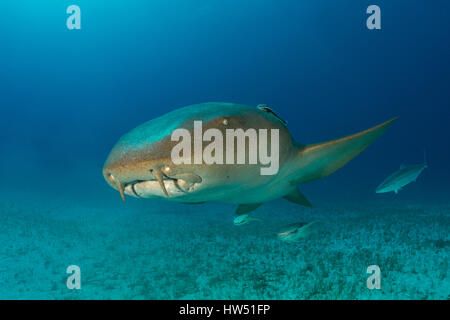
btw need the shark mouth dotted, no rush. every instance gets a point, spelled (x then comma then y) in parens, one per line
(136, 185)
(162, 185)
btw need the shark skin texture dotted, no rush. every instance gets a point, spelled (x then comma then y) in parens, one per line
(140, 164)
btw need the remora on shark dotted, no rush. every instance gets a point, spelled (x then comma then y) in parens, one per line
(140, 164)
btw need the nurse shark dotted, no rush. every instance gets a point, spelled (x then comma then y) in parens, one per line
(141, 163)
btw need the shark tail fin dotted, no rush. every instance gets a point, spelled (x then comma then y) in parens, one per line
(322, 159)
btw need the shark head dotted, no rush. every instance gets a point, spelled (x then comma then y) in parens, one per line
(147, 172)
(141, 162)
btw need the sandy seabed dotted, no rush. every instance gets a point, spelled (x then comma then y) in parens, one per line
(160, 250)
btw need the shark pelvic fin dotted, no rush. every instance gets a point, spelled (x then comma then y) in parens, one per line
(297, 197)
(246, 208)
(320, 160)
(159, 176)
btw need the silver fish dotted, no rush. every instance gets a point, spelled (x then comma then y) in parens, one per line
(244, 219)
(400, 178)
(296, 231)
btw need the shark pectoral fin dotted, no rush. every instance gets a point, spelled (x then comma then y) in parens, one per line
(320, 160)
(246, 208)
(297, 197)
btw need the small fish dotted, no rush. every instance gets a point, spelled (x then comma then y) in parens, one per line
(296, 231)
(266, 108)
(400, 178)
(244, 219)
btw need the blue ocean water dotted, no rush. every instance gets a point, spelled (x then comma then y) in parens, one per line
(68, 95)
